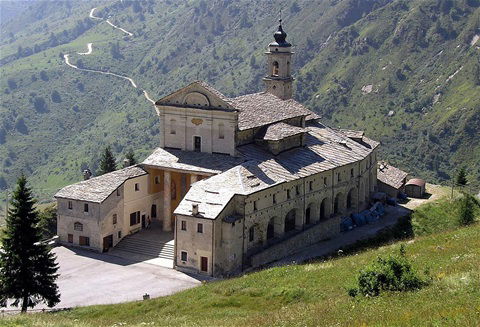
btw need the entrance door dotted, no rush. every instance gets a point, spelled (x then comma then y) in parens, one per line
(204, 264)
(143, 221)
(107, 242)
(154, 211)
(197, 142)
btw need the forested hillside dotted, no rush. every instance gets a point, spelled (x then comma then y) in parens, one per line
(406, 72)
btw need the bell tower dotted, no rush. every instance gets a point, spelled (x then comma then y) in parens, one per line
(279, 80)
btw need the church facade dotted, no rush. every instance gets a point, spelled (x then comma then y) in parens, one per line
(239, 181)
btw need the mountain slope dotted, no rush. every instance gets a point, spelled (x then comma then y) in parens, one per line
(55, 119)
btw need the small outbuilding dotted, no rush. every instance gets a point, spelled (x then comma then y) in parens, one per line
(415, 188)
(391, 180)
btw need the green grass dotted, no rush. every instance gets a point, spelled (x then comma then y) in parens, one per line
(314, 294)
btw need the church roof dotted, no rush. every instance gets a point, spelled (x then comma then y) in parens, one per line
(264, 108)
(325, 149)
(98, 189)
(200, 162)
(278, 131)
(390, 175)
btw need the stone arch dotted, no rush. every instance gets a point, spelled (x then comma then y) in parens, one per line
(311, 213)
(324, 212)
(196, 99)
(351, 202)
(338, 204)
(290, 220)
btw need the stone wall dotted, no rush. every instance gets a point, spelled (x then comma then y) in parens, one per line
(312, 235)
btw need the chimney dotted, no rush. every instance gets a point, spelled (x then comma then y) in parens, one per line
(194, 209)
(126, 163)
(87, 174)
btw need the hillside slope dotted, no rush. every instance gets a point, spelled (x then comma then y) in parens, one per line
(55, 118)
(313, 294)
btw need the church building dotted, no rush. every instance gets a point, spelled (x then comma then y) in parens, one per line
(240, 182)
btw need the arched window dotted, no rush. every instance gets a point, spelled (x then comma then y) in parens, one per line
(221, 131)
(78, 226)
(173, 124)
(275, 68)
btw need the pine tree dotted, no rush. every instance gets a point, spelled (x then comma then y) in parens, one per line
(462, 177)
(131, 157)
(466, 215)
(27, 267)
(107, 164)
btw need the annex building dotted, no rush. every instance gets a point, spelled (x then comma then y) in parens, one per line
(239, 182)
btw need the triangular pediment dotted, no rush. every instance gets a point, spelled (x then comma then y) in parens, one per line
(197, 95)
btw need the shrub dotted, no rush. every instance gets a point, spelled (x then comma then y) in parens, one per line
(394, 273)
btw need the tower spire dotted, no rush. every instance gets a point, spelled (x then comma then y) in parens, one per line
(278, 79)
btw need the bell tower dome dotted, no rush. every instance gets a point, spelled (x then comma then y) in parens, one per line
(279, 80)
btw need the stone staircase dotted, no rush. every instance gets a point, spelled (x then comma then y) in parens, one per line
(146, 248)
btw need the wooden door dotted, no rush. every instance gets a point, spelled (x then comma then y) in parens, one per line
(204, 264)
(107, 242)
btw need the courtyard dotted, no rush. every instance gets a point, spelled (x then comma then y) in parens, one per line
(88, 278)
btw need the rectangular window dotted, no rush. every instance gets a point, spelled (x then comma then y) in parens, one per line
(114, 218)
(157, 179)
(197, 143)
(119, 234)
(274, 199)
(351, 172)
(184, 225)
(137, 187)
(78, 226)
(310, 185)
(184, 256)
(251, 234)
(118, 192)
(339, 178)
(255, 206)
(325, 181)
(85, 207)
(288, 194)
(297, 190)
(199, 228)
(133, 218)
(70, 205)
(70, 238)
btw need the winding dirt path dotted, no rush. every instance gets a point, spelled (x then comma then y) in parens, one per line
(66, 58)
(119, 28)
(89, 50)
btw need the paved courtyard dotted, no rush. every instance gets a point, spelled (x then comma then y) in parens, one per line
(88, 278)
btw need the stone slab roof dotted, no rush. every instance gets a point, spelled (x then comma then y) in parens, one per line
(199, 162)
(325, 149)
(280, 131)
(261, 109)
(214, 193)
(98, 189)
(390, 175)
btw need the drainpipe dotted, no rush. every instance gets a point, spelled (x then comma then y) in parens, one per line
(175, 243)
